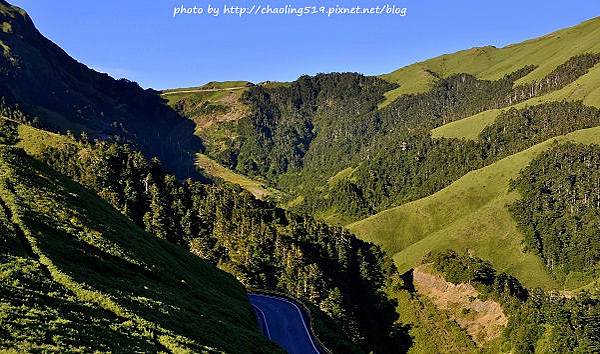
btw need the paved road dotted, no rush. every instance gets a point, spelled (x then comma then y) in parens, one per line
(283, 322)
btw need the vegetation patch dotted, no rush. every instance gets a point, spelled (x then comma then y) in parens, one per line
(431, 330)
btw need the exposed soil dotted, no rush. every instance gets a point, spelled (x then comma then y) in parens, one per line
(483, 320)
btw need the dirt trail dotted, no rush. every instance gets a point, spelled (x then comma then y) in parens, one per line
(203, 90)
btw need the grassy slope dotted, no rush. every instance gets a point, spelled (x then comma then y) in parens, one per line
(492, 63)
(209, 96)
(586, 89)
(33, 307)
(468, 128)
(470, 214)
(35, 141)
(213, 168)
(129, 286)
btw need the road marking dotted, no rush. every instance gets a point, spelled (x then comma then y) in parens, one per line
(262, 314)
(301, 318)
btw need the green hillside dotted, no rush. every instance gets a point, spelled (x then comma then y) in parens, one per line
(301, 136)
(491, 63)
(78, 276)
(104, 246)
(470, 214)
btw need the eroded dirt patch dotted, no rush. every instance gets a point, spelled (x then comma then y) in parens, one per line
(483, 320)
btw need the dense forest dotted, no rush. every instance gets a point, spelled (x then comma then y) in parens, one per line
(336, 116)
(301, 135)
(538, 321)
(315, 112)
(559, 212)
(263, 246)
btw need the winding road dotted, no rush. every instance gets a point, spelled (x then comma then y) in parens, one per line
(283, 322)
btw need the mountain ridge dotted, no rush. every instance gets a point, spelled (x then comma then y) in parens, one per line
(62, 94)
(489, 62)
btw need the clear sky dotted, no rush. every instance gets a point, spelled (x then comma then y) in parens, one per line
(142, 41)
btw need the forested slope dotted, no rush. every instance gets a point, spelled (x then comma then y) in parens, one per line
(76, 275)
(560, 205)
(585, 89)
(323, 141)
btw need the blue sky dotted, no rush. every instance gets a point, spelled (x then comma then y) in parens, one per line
(141, 40)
